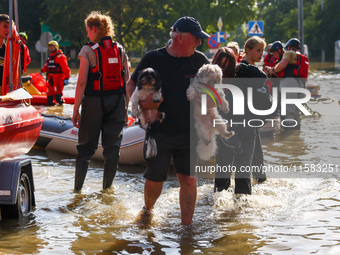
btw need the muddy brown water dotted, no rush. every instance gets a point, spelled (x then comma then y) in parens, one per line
(282, 216)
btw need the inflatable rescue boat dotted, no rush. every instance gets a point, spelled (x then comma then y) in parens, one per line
(35, 84)
(59, 134)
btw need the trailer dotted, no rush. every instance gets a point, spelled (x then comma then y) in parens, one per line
(16, 187)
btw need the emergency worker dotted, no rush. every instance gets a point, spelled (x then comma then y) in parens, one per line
(4, 32)
(25, 58)
(100, 91)
(58, 73)
(269, 59)
(292, 64)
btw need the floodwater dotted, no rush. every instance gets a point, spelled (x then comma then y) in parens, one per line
(282, 216)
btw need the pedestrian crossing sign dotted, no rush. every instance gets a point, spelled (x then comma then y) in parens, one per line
(255, 28)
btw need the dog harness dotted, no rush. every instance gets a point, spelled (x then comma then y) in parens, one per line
(107, 76)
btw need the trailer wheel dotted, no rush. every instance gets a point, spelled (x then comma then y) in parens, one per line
(24, 200)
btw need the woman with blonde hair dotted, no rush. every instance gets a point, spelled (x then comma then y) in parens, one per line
(100, 91)
(252, 154)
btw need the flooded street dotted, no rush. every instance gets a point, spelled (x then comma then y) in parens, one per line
(282, 216)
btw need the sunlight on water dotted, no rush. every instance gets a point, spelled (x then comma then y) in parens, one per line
(282, 216)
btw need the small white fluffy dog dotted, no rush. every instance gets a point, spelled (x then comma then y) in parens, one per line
(148, 83)
(207, 76)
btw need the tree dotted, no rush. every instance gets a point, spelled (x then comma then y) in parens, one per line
(145, 24)
(30, 15)
(325, 28)
(321, 31)
(140, 25)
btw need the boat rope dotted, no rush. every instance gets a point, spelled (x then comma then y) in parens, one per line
(325, 100)
(314, 113)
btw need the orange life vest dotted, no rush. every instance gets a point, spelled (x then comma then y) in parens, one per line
(107, 76)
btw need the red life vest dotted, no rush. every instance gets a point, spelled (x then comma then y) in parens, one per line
(107, 76)
(53, 67)
(269, 60)
(299, 69)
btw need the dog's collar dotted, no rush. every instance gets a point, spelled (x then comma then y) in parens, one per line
(213, 90)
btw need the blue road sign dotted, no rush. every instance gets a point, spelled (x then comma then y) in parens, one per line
(221, 37)
(255, 28)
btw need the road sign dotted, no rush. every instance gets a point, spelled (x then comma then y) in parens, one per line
(219, 24)
(255, 28)
(221, 37)
(45, 38)
(55, 36)
(40, 48)
(212, 42)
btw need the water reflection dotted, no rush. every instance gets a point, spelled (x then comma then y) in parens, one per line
(282, 216)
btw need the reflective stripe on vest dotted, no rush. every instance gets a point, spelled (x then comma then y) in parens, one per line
(53, 67)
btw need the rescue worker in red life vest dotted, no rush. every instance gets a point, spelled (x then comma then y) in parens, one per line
(58, 73)
(292, 64)
(25, 58)
(269, 59)
(4, 32)
(101, 94)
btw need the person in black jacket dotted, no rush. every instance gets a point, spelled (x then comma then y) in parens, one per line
(252, 154)
(225, 58)
(176, 64)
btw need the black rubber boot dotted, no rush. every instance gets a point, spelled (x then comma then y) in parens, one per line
(58, 99)
(81, 170)
(109, 175)
(50, 100)
(221, 184)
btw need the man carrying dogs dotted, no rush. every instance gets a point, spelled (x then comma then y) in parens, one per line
(176, 64)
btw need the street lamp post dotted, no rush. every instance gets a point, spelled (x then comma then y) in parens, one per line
(300, 25)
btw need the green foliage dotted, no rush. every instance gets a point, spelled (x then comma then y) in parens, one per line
(142, 25)
(320, 26)
(280, 19)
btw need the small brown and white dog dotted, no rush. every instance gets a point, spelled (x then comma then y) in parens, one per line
(148, 83)
(206, 78)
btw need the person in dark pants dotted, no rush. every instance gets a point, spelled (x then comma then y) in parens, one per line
(225, 58)
(252, 154)
(291, 64)
(102, 97)
(176, 64)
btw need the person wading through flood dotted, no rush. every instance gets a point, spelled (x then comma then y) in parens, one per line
(102, 97)
(176, 64)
